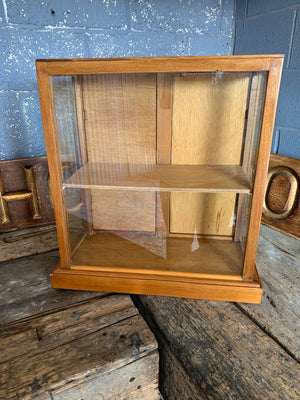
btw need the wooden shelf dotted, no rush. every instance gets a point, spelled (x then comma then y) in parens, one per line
(148, 177)
(152, 254)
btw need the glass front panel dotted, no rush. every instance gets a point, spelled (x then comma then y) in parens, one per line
(159, 168)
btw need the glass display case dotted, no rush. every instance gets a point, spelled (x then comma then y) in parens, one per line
(158, 168)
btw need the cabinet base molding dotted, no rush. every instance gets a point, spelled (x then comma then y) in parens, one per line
(207, 289)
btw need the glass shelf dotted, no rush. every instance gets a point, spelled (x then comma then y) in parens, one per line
(148, 177)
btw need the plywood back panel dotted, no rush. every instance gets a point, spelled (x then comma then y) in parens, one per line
(120, 122)
(208, 128)
(202, 213)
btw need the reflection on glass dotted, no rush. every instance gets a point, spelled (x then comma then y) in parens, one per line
(159, 168)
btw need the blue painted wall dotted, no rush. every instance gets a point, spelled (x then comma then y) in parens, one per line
(31, 29)
(273, 26)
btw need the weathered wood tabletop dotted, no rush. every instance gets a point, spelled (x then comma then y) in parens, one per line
(219, 351)
(70, 345)
(208, 350)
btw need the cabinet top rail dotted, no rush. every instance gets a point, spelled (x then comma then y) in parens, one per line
(75, 66)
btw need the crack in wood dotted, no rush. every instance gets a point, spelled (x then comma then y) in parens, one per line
(260, 326)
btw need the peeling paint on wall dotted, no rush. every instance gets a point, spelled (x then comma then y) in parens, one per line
(93, 28)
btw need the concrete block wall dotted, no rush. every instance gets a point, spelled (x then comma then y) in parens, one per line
(273, 26)
(31, 29)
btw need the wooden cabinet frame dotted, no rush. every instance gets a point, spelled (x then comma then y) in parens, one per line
(243, 288)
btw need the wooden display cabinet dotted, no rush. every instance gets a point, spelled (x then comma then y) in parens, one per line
(158, 169)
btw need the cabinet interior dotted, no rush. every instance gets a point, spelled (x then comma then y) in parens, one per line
(158, 169)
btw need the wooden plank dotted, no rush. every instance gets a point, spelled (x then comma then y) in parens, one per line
(44, 333)
(26, 242)
(138, 380)
(278, 261)
(192, 178)
(225, 354)
(148, 252)
(174, 380)
(202, 214)
(202, 288)
(268, 120)
(25, 288)
(198, 99)
(120, 112)
(101, 352)
(277, 194)
(282, 241)
(202, 97)
(98, 338)
(120, 127)
(158, 64)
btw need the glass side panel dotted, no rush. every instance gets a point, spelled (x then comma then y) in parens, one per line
(253, 123)
(158, 168)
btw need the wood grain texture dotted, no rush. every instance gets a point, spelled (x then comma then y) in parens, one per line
(76, 345)
(138, 380)
(158, 64)
(25, 288)
(184, 178)
(198, 99)
(70, 364)
(204, 214)
(174, 381)
(209, 109)
(120, 125)
(277, 195)
(215, 288)
(224, 353)
(278, 262)
(62, 326)
(26, 242)
(151, 253)
(120, 112)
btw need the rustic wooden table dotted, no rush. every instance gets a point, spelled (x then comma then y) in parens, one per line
(70, 345)
(208, 349)
(215, 350)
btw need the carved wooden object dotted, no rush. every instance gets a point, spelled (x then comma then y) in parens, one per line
(281, 205)
(24, 198)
